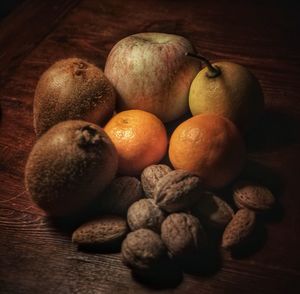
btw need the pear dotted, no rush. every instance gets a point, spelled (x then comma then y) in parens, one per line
(227, 89)
(69, 166)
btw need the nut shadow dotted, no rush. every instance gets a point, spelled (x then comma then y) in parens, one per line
(207, 263)
(103, 249)
(165, 275)
(274, 215)
(253, 244)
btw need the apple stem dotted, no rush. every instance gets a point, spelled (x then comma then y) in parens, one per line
(213, 71)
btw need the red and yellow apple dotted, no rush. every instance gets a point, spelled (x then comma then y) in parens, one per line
(150, 72)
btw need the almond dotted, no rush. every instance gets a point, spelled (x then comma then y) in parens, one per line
(213, 211)
(101, 232)
(253, 196)
(238, 229)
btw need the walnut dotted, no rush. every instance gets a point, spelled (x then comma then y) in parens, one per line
(151, 175)
(145, 214)
(178, 190)
(183, 234)
(120, 194)
(142, 249)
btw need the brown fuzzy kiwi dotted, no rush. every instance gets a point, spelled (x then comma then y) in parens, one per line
(69, 166)
(72, 89)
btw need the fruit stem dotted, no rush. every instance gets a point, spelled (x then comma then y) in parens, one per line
(88, 136)
(213, 71)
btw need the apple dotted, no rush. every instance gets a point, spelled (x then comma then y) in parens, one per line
(151, 72)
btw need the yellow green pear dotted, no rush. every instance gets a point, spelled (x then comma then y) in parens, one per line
(227, 89)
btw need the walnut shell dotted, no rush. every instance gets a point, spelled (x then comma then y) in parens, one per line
(183, 234)
(178, 190)
(145, 214)
(101, 232)
(213, 211)
(142, 249)
(120, 194)
(151, 175)
(253, 196)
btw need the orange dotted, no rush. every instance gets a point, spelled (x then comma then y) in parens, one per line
(210, 146)
(140, 139)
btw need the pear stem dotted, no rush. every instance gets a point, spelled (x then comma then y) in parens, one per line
(213, 71)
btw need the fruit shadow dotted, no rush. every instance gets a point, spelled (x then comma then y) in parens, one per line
(165, 275)
(67, 225)
(170, 127)
(274, 129)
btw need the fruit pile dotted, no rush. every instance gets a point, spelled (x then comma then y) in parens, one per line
(101, 137)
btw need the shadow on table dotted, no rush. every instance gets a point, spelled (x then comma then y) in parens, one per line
(274, 130)
(67, 225)
(170, 273)
(253, 244)
(261, 174)
(166, 275)
(207, 263)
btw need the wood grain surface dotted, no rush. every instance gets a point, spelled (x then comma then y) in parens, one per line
(36, 254)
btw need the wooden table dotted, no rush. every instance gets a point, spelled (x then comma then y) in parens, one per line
(38, 257)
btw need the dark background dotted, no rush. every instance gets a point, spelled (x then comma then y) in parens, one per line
(36, 255)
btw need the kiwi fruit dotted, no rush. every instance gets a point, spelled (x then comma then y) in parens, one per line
(72, 89)
(69, 166)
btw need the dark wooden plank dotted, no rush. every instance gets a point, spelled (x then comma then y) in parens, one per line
(25, 27)
(37, 257)
(37, 245)
(7, 6)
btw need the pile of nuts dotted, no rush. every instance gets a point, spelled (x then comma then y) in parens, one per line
(169, 214)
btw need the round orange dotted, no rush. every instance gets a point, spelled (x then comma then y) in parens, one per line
(210, 146)
(140, 139)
